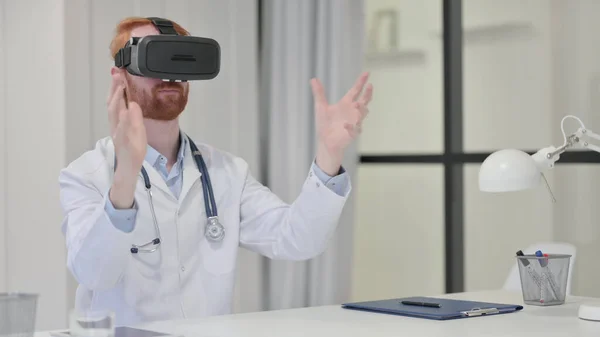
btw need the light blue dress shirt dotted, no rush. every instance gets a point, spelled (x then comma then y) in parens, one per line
(124, 219)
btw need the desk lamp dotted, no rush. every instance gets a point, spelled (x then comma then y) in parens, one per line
(514, 170)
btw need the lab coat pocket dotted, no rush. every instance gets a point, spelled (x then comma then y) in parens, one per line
(144, 266)
(147, 264)
(142, 280)
(217, 258)
(144, 262)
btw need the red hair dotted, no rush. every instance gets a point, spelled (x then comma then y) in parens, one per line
(124, 28)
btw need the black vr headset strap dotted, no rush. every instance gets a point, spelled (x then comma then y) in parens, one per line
(123, 57)
(164, 26)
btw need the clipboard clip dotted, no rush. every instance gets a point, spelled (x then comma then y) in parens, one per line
(480, 312)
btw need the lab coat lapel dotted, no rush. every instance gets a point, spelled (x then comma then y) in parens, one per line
(157, 181)
(191, 174)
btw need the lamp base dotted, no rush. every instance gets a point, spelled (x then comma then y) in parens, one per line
(590, 311)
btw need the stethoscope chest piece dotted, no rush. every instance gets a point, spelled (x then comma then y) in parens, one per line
(214, 230)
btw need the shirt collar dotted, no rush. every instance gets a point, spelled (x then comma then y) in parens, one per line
(154, 157)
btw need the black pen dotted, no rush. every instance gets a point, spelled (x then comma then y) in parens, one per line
(423, 304)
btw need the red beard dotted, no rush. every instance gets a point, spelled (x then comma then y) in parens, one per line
(160, 104)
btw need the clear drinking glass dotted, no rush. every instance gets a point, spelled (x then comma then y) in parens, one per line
(92, 323)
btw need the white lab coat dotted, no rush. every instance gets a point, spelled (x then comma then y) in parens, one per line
(188, 276)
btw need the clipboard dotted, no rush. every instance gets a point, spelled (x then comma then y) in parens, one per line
(448, 308)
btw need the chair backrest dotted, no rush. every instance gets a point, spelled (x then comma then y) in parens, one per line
(513, 281)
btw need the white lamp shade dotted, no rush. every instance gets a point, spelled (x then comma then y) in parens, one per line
(508, 170)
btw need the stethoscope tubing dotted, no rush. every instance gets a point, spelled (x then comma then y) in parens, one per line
(209, 204)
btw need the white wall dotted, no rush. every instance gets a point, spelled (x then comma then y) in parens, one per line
(3, 227)
(578, 92)
(527, 63)
(519, 87)
(508, 78)
(33, 147)
(508, 74)
(409, 102)
(399, 227)
(55, 72)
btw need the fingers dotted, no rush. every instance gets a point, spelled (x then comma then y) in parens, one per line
(115, 105)
(362, 109)
(356, 117)
(123, 123)
(123, 115)
(116, 99)
(354, 92)
(135, 115)
(318, 92)
(118, 102)
(116, 95)
(353, 130)
(114, 87)
(125, 98)
(358, 113)
(368, 95)
(111, 91)
(130, 118)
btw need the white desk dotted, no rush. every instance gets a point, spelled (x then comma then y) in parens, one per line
(532, 321)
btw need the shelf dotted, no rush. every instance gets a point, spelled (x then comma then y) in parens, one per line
(496, 31)
(397, 58)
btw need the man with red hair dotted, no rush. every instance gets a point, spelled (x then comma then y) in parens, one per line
(112, 210)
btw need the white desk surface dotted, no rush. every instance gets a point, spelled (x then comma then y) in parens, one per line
(532, 321)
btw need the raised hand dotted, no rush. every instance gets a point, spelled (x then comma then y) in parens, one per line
(340, 123)
(129, 138)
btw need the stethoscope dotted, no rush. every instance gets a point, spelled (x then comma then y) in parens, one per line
(214, 231)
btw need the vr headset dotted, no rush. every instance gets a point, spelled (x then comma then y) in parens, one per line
(169, 56)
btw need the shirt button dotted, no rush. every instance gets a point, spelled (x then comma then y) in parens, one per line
(182, 268)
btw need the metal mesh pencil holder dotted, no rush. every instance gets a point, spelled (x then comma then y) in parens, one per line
(544, 279)
(17, 314)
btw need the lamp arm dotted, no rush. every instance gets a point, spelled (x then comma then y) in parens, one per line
(583, 132)
(546, 157)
